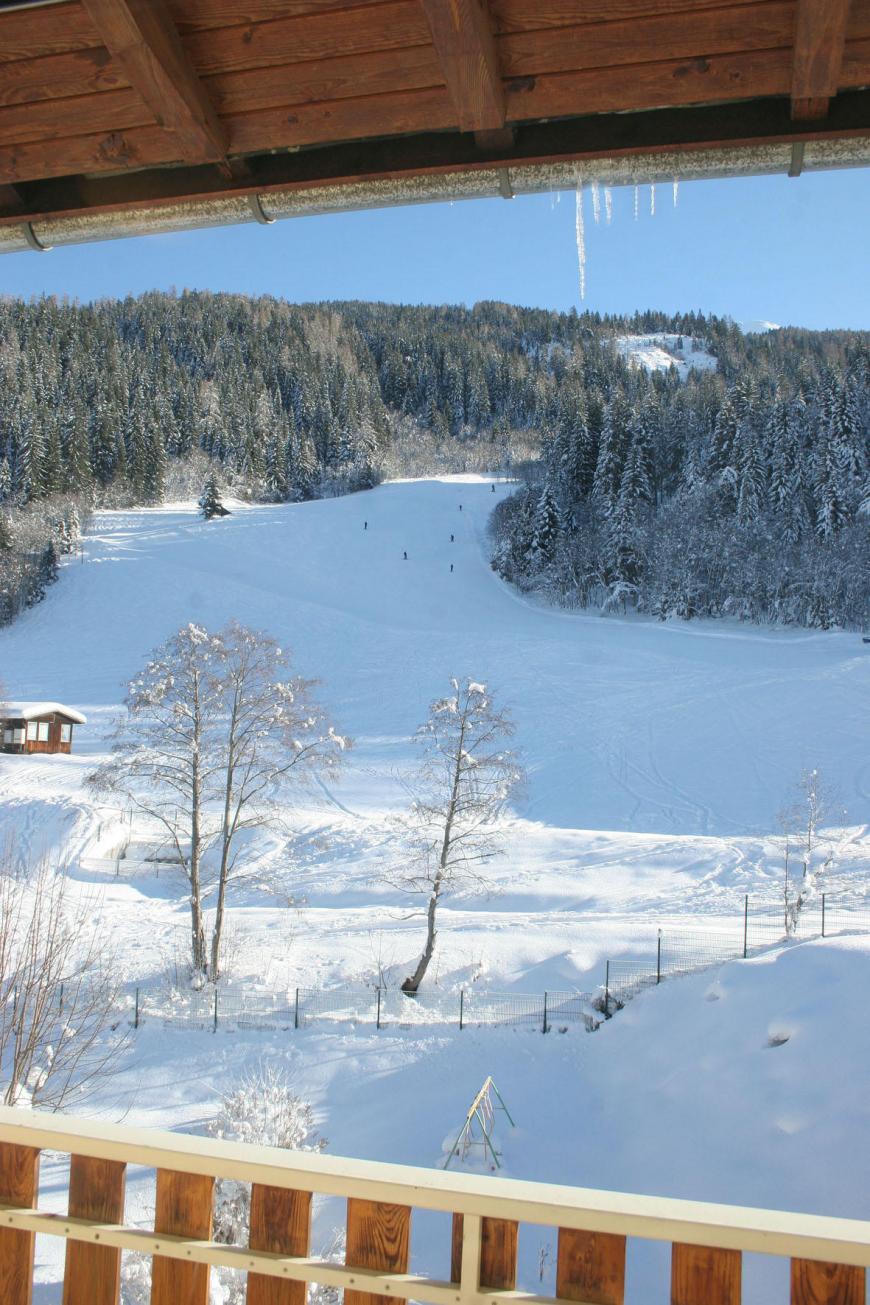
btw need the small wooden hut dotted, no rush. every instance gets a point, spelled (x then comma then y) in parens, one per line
(37, 726)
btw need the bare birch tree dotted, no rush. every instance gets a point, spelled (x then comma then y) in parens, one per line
(59, 1013)
(464, 779)
(813, 804)
(167, 754)
(215, 732)
(273, 733)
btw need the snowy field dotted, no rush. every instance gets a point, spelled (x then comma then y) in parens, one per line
(658, 756)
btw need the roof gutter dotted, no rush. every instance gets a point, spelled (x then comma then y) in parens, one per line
(505, 180)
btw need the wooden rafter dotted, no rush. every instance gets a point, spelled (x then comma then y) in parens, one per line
(820, 42)
(10, 200)
(463, 37)
(141, 37)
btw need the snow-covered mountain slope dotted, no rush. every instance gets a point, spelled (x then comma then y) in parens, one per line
(661, 351)
(658, 756)
(626, 724)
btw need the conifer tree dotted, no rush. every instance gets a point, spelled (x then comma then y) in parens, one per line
(210, 504)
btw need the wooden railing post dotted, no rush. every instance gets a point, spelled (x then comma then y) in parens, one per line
(19, 1181)
(280, 1222)
(378, 1237)
(498, 1253)
(92, 1274)
(590, 1267)
(814, 1283)
(184, 1207)
(704, 1275)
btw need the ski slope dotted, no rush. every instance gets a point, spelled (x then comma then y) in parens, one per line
(626, 724)
(658, 756)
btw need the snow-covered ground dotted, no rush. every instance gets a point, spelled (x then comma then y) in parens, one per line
(658, 756)
(660, 351)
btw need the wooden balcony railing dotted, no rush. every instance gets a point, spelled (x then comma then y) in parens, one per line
(828, 1256)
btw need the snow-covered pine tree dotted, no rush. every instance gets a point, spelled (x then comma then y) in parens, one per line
(545, 530)
(210, 504)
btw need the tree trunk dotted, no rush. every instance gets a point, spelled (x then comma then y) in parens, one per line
(222, 891)
(412, 983)
(197, 928)
(228, 829)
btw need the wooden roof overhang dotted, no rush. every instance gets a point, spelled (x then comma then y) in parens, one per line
(126, 116)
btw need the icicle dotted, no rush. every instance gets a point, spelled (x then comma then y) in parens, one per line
(596, 202)
(636, 201)
(676, 190)
(652, 201)
(581, 239)
(608, 204)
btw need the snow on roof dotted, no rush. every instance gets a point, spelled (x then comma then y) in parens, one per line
(31, 710)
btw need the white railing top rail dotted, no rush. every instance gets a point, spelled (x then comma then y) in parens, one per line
(698, 1223)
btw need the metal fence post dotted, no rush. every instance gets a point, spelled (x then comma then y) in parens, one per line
(823, 915)
(214, 1030)
(659, 958)
(296, 1011)
(607, 991)
(136, 1014)
(745, 926)
(379, 1007)
(544, 1029)
(461, 1006)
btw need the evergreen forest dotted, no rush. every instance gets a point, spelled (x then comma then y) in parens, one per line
(742, 491)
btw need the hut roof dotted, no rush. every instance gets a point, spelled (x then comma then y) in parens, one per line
(34, 710)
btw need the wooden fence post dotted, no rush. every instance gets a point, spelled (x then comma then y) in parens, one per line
(814, 1283)
(704, 1275)
(19, 1183)
(378, 1237)
(498, 1253)
(184, 1207)
(92, 1274)
(280, 1222)
(590, 1267)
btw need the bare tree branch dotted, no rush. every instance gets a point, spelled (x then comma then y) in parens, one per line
(58, 994)
(462, 785)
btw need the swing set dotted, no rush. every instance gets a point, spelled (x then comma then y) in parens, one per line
(477, 1131)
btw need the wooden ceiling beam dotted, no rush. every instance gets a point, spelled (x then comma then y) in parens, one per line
(141, 37)
(819, 46)
(464, 41)
(10, 200)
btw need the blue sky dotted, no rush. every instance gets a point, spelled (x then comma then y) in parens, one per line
(790, 251)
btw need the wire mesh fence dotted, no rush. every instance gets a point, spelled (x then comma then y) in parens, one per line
(238, 1008)
(763, 924)
(676, 951)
